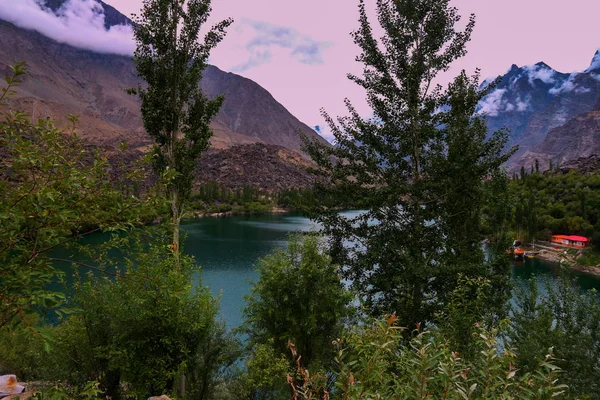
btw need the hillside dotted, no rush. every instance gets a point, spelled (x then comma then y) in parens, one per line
(63, 79)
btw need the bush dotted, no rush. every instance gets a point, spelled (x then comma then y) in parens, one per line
(373, 362)
(143, 328)
(590, 257)
(299, 297)
(566, 319)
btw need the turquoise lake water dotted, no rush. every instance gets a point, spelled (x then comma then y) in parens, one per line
(227, 248)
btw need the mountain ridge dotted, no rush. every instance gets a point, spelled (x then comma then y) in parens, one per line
(64, 79)
(534, 101)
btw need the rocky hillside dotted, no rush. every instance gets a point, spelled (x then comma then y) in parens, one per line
(584, 165)
(550, 115)
(63, 79)
(267, 167)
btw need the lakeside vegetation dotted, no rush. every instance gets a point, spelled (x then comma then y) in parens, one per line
(405, 308)
(552, 202)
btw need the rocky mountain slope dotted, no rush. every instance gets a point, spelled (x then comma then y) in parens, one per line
(550, 115)
(63, 79)
(264, 166)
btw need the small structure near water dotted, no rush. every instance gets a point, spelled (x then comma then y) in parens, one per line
(578, 242)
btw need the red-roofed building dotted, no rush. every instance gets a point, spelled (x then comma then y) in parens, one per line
(579, 242)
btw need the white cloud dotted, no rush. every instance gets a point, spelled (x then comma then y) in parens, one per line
(491, 104)
(267, 38)
(568, 86)
(79, 23)
(522, 105)
(541, 72)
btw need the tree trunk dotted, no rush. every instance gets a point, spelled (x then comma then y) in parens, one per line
(176, 211)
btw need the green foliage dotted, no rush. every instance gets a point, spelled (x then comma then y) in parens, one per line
(212, 369)
(52, 192)
(467, 307)
(556, 203)
(266, 372)
(418, 166)
(26, 353)
(590, 257)
(373, 363)
(212, 197)
(561, 316)
(64, 392)
(175, 112)
(143, 328)
(299, 297)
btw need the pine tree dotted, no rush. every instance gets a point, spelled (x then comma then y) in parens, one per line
(418, 165)
(175, 112)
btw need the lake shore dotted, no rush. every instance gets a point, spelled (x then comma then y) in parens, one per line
(197, 214)
(560, 255)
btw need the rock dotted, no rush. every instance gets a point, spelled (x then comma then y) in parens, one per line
(163, 397)
(23, 396)
(261, 166)
(9, 386)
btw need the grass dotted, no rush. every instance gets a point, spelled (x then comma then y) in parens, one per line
(589, 258)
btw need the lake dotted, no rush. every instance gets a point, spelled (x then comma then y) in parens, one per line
(227, 248)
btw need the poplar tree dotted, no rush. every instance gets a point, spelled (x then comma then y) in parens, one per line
(175, 112)
(418, 165)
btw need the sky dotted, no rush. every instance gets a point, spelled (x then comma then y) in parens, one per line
(301, 51)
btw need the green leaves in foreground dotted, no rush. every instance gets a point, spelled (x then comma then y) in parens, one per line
(374, 363)
(53, 191)
(299, 297)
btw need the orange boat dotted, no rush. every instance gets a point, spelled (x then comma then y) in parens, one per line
(519, 253)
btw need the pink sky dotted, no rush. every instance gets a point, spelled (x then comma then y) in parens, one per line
(565, 35)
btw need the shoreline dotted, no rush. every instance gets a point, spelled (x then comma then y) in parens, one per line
(560, 256)
(197, 214)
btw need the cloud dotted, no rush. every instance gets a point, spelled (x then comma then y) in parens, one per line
(495, 103)
(326, 133)
(569, 86)
(491, 104)
(79, 23)
(267, 36)
(541, 72)
(522, 105)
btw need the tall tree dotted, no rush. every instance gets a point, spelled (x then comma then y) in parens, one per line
(175, 112)
(418, 164)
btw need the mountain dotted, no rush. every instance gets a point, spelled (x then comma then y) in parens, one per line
(112, 16)
(263, 166)
(63, 79)
(544, 111)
